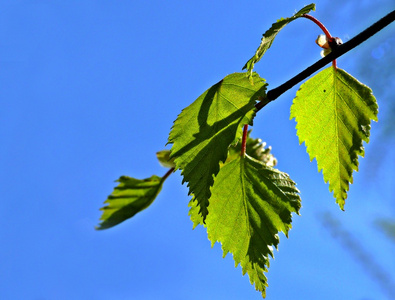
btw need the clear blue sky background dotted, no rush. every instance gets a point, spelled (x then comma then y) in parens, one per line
(89, 91)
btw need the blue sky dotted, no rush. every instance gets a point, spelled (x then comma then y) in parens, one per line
(89, 91)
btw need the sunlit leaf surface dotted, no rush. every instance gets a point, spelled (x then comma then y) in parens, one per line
(250, 204)
(333, 112)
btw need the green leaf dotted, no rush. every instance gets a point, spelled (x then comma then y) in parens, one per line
(333, 112)
(202, 133)
(250, 204)
(255, 148)
(194, 214)
(128, 198)
(268, 36)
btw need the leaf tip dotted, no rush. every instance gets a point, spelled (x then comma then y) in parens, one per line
(341, 202)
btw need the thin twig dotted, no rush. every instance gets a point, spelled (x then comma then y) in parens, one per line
(339, 51)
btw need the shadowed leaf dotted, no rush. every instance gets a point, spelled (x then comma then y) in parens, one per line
(202, 133)
(268, 36)
(255, 148)
(128, 198)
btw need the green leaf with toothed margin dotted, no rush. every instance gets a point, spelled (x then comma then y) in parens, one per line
(256, 149)
(333, 111)
(128, 198)
(250, 204)
(202, 133)
(268, 36)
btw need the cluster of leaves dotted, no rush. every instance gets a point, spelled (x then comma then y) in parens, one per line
(242, 200)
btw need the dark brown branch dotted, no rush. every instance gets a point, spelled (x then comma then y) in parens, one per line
(339, 51)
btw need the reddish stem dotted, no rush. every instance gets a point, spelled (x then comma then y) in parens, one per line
(167, 174)
(244, 141)
(326, 32)
(334, 64)
(357, 40)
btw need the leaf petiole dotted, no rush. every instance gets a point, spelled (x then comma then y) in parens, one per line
(273, 94)
(316, 21)
(244, 141)
(168, 173)
(326, 32)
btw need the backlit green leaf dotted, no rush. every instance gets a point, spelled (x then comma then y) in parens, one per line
(250, 204)
(268, 36)
(128, 198)
(193, 213)
(255, 148)
(333, 112)
(203, 131)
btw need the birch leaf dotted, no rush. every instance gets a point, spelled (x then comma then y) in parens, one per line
(333, 111)
(203, 132)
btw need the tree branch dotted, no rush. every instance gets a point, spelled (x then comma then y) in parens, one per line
(337, 52)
